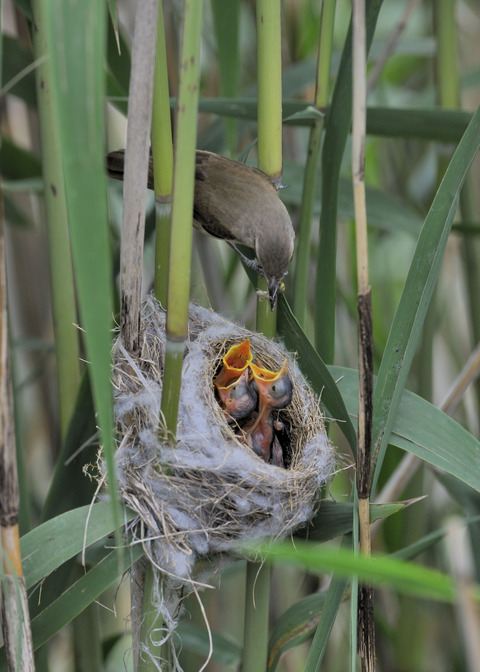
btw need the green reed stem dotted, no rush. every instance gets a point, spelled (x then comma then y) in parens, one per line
(182, 207)
(269, 66)
(226, 16)
(162, 154)
(269, 73)
(308, 194)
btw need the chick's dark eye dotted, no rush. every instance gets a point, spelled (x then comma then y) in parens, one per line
(278, 389)
(236, 391)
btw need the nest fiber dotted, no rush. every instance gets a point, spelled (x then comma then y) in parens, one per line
(209, 491)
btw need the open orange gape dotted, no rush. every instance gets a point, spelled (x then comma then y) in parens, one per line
(249, 394)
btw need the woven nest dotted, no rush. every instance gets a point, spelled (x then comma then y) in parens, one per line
(209, 492)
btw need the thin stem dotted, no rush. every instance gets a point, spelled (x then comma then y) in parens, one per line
(136, 169)
(226, 20)
(366, 629)
(390, 45)
(269, 73)
(269, 65)
(13, 592)
(182, 207)
(151, 620)
(308, 193)
(257, 602)
(162, 156)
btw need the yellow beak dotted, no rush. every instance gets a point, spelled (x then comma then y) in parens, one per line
(235, 362)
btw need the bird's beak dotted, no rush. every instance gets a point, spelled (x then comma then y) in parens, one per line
(235, 362)
(266, 381)
(275, 288)
(265, 377)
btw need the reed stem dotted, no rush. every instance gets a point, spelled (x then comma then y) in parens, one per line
(182, 207)
(308, 190)
(162, 156)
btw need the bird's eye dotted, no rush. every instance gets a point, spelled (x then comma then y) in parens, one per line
(279, 388)
(236, 391)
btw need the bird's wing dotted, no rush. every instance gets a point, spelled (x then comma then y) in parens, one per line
(116, 166)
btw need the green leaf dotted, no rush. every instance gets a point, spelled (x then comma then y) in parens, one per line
(294, 627)
(17, 163)
(51, 544)
(18, 67)
(314, 369)
(195, 639)
(422, 277)
(82, 593)
(119, 63)
(70, 487)
(406, 578)
(333, 599)
(77, 32)
(425, 124)
(334, 519)
(423, 430)
(337, 128)
(298, 623)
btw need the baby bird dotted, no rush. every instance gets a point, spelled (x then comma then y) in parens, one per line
(274, 392)
(236, 395)
(238, 398)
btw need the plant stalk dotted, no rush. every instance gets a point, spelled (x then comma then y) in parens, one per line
(365, 622)
(162, 155)
(182, 208)
(13, 592)
(136, 170)
(269, 69)
(308, 191)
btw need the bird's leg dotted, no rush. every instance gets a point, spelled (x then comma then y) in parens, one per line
(250, 263)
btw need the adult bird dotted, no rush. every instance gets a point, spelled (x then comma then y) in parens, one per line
(239, 204)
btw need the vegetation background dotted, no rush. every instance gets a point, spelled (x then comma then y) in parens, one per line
(424, 87)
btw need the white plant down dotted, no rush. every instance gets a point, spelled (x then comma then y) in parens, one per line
(208, 493)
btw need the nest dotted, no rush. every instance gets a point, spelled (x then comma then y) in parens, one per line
(209, 491)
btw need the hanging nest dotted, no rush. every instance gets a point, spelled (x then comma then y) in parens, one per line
(210, 491)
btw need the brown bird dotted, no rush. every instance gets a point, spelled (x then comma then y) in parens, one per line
(237, 396)
(274, 392)
(239, 204)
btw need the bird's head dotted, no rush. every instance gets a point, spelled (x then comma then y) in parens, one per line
(275, 388)
(274, 250)
(275, 287)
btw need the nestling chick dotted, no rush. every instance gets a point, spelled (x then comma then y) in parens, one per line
(239, 204)
(274, 392)
(237, 396)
